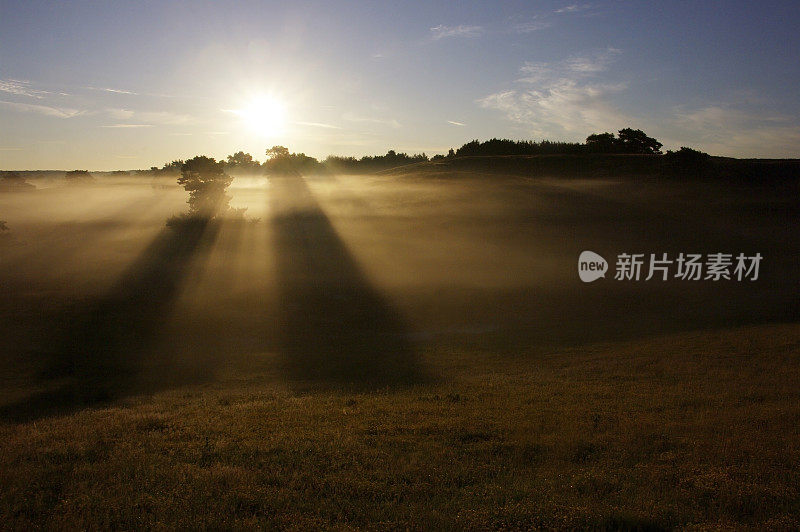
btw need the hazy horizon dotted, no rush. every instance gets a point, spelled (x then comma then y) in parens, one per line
(121, 86)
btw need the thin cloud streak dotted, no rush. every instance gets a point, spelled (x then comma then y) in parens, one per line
(123, 126)
(441, 31)
(164, 118)
(58, 112)
(318, 124)
(530, 27)
(574, 8)
(115, 91)
(355, 118)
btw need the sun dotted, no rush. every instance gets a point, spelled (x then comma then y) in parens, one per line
(265, 115)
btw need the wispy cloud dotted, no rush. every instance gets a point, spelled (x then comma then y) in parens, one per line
(21, 88)
(574, 67)
(318, 124)
(530, 27)
(565, 98)
(127, 92)
(125, 126)
(453, 122)
(115, 91)
(355, 118)
(120, 114)
(58, 112)
(574, 8)
(162, 118)
(597, 61)
(441, 31)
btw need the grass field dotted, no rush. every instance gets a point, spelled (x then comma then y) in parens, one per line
(397, 351)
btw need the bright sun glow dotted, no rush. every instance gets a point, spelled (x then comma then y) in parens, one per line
(265, 115)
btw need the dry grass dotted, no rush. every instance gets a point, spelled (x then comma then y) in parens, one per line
(396, 352)
(696, 430)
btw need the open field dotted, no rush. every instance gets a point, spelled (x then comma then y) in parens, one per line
(397, 351)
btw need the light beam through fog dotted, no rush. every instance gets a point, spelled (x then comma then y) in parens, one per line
(508, 265)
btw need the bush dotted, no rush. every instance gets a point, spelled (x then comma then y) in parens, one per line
(687, 162)
(687, 155)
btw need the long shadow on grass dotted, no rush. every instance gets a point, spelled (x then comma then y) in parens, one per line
(336, 329)
(106, 346)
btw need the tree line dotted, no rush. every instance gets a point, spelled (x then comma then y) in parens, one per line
(279, 159)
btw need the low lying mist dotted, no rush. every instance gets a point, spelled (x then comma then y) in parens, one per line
(345, 278)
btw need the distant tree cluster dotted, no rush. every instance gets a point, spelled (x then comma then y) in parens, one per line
(242, 162)
(628, 141)
(517, 147)
(170, 168)
(373, 163)
(173, 167)
(281, 161)
(687, 162)
(687, 155)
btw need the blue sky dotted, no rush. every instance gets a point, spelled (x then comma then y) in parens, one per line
(133, 84)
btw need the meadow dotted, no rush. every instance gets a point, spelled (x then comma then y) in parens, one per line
(410, 349)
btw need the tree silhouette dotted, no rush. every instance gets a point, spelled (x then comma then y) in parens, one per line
(206, 181)
(173, 167)
(497, 146)
(687, 162)
(281, 161)
(277, 152)
(628, 141)
(602, 143)
(635, 141)
(242, 161)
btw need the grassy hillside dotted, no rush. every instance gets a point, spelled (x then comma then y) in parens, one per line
(397, 352)
(578, 166)
(692, 430)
